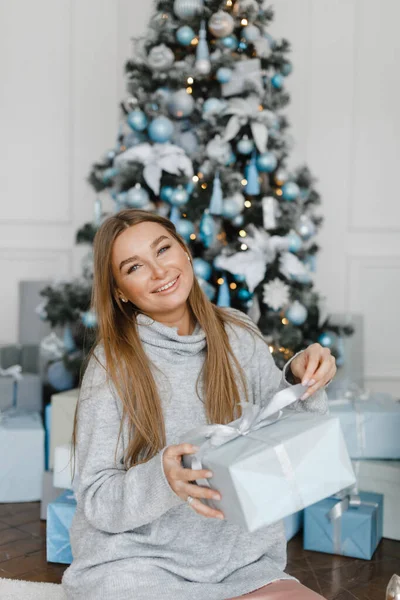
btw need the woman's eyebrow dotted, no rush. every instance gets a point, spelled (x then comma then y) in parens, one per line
(136, 257)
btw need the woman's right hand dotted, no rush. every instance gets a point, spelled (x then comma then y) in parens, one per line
(179, 479)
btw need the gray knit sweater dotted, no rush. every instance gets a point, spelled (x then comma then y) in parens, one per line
(132, 537)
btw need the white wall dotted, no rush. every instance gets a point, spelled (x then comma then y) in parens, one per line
(61, 66)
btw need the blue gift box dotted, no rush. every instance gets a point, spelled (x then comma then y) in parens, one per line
(357, 532)
(47, 425)
(293, 524)
(370, 427)
(59, 519)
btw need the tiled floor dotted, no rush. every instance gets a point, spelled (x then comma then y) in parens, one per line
(23, 556)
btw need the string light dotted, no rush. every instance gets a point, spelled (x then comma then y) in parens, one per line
(189, 90)
(233, 286)
(278, 192)
(247, 203)
(243, 247)
(229, 2)
(195, 41)
(285, 321)
(190, 80)
(244, 182)
(242, 233)
(271, 349)
(192, 236)
(204, 186)
(220, 281)
(200, 175)
(244, 22)
(195, 179)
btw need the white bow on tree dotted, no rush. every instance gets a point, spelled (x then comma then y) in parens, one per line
(252, 263)
(157, 158)
(247, 111)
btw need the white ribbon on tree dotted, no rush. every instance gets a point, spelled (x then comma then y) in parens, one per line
(246, 111)
(157, 158)
(13, 371)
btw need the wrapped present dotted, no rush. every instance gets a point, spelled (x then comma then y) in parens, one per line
(7, 392)
(47, 430)
(65, 467)
(25, 355)
(60, 513)
(382, 477)
(370, 424)
(22, 452)
(271, 462)
(63, 407)
(350, 524)
(49, 493)
(293, 524)
(19, 365)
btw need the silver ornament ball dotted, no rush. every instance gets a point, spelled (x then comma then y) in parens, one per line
(181, 104)
(187, 9)
(221, 24)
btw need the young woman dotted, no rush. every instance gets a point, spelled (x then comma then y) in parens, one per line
(168, 360)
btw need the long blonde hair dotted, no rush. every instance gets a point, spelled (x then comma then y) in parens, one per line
(126, 359)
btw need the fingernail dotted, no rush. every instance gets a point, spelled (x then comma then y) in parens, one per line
(310, 383)
(209, 474)
(221, 517)
(305, 382)
(304, 397)
(217, 497)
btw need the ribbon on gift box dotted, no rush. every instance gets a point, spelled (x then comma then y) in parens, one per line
(14, 371)
(253, 417)
(346, 499)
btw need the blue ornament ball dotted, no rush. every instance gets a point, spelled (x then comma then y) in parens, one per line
(213, 105)
(295, 241)
(297, 313)
(230, 209)
(287, 68)
(277, 81)
(179, 196)
(239, 277)
(59, 377)
(185, 35)
(166, 193)
(251, 33)
(224, 75)
(89, 319)
(202, 268)
(290, 191)
(245, 146)
(238, 221)
(137, 197)
(161, 130)
(181, 104)
(185, 228)
(267, 162)
(243, 46)
(108, 174)
(327, 339)
(230, 41)
(137, 120)
(244, 295)
(231, 160)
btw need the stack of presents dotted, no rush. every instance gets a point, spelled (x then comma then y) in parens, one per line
(335, 477)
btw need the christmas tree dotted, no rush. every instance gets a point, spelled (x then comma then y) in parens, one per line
(203, 140)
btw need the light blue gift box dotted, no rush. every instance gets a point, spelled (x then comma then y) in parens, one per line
(370, 427)
(293, 524)
(59, 519)
(292, 460)
(356, 531)
(47, 433)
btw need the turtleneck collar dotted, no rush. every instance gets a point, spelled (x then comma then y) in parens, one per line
(166, 341)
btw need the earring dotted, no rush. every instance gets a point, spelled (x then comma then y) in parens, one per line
(123, 299)
(188, 257)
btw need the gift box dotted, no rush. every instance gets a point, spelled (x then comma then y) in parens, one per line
(383, 477)
(65, 464)
(49, 493)
(60, 513)
(350, 526)
(20, 365)
(22, 452)
(63, 407)
(47, 430)
(371, 426)
(293, 524)
(271, 463)
(7, 392)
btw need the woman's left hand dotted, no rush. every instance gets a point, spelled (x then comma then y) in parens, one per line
(315, 367)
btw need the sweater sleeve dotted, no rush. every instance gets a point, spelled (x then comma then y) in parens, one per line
(114, 499)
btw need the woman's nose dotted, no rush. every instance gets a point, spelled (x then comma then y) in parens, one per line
(158, 270)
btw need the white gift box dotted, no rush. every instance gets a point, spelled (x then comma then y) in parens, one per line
(64, 464)
(63, 407)
(22, 457)
(265, 474)
(382, 477)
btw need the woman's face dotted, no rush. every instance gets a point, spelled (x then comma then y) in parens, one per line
(145, 258)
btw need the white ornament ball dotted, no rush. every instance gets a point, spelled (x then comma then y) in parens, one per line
(187, 9)
(221, 24)
(181, 104)
(160, 58)
(219, 150)
(251, 33)
(203, 66)
(297, 313)
(137, 197)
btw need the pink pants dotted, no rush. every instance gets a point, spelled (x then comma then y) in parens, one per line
(281, 590)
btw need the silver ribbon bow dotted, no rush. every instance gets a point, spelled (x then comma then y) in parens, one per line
(14, 371)
(247, 111)
(346, 499)
(157, 158)
(393, 588)
(253, 417)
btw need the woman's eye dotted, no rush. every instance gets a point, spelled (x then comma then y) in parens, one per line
(164, 248)
(132, 268)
